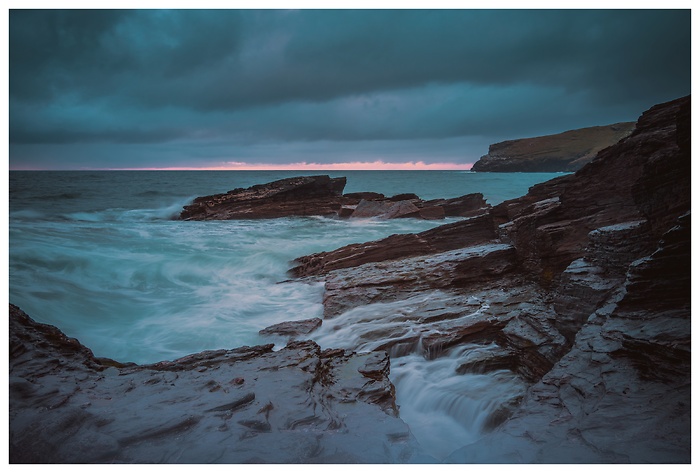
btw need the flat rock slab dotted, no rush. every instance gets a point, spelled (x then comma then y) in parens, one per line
(294, 328)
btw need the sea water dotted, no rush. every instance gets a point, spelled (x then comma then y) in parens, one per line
(101, 256)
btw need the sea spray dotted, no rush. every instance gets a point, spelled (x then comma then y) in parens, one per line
(135, 286)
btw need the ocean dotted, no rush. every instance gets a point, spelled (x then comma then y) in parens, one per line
(99, 255)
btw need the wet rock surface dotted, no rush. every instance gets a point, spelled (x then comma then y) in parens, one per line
(293, 329)
(322, 196)
(581, 288)
(248, 405)
(622, 393)
(470, 231)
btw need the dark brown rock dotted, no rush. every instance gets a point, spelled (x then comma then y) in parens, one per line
(402, 209)
(434, 344)
(370, 208)
(464, 206)
(485, 361)
(623, 392)
(346, 211)
(471, 231)
(400, 197)
(358, 196)
(293, 329)
(387, 209)
(550, 225)
(432, 213)
(321, 196)
(392, 280)
(296, 196)
(376, 366)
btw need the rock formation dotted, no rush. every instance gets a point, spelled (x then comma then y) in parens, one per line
(581, 288)
(293, 329)
(563, 152)
(323, 196)
(308, 195)
(246, 405)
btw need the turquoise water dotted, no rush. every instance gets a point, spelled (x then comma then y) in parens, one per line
(99, 255)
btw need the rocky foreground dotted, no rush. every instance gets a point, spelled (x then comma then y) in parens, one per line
(581, 289)
(246, 405)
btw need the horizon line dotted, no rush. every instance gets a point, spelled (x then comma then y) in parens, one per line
(300, 166)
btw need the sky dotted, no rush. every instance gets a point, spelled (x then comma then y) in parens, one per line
(325, 89)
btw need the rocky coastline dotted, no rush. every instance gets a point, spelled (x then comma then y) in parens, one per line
(580, 289)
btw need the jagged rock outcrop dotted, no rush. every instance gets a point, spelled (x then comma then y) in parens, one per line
(323, 196)
(550, 225)
(622, 394)
(300, 404)
(470, 231)
(563, 152)
(302, 196)
(581, 288)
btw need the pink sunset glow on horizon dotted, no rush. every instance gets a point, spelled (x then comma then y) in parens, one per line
(303, 166)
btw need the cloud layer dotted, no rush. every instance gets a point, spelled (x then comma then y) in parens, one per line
(151, 88)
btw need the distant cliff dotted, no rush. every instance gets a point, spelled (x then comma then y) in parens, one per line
(568, 151)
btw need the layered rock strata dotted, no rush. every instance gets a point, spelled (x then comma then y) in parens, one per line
(622, 393)
(323, 196)
(581, 288)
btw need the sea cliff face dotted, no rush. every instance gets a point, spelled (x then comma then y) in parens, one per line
(579, 290)
(563, 152)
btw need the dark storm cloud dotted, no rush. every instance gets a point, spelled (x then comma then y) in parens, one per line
(575, 49)
(113, 52)
(149, 76)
